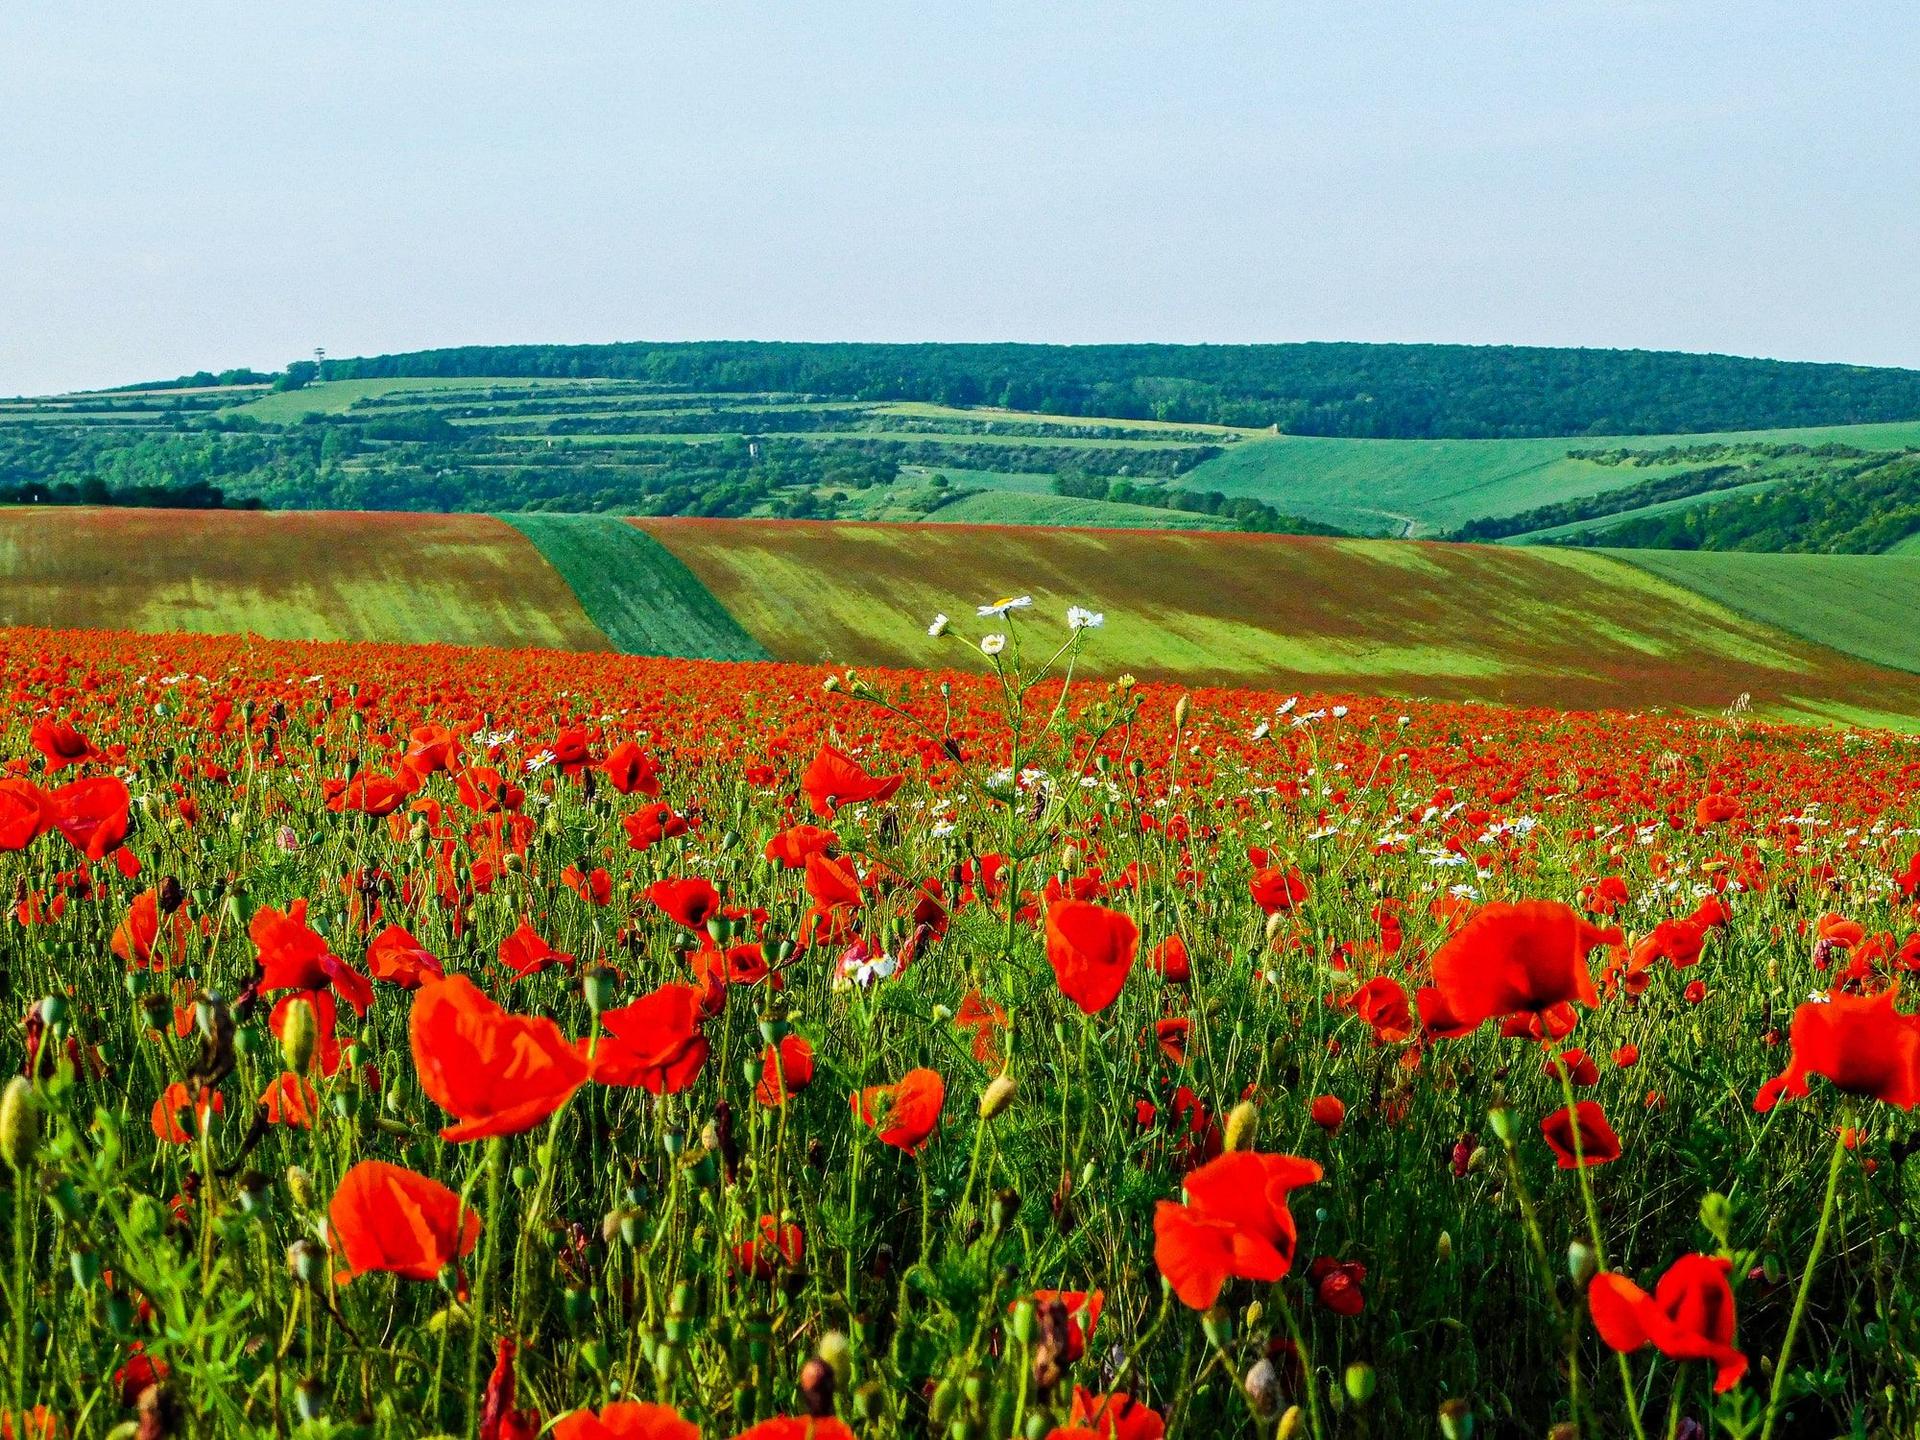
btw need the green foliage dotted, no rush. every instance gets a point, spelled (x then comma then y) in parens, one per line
(1861, 505)
(1314, 389)
(1243, 512)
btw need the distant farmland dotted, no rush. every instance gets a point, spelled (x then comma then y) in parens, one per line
(1569, 629)
(461, 579)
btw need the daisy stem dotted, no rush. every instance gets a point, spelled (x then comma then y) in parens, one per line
(1775, 1394)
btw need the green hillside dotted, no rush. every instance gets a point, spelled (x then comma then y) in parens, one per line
(1862, 605)
(1432, 487)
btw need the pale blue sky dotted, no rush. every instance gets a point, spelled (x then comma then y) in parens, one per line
(219, 184)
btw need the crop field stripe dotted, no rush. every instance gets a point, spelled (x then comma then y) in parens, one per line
(1862, 605)
(1569, 629)
(643, 599)
(294, 575)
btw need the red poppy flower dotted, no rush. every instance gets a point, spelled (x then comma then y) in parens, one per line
(626, 1420)
(791, 847)
(1598, 1144)
(777, 1247)
(498, 1074)
(690, 902)
(1336, 1285)
(1860, 1043)
(399, 959)
(797, 1427)
(139, 939)
(1169, 958)
(526, 952)
(1083, 1315)
(178, 1117)
(1329, 1112)
(1517, 960)
(26, 813)
(61, 744)
(432, 748)
(594, 886)
(1091, 949)
(384, 1217)
(1382, 1003)
(92, 814)
(785, 1069)
(985, 1020)
(906, 1113)
(654, 1043)
(651, 824)
(833, 780)
(289, 1100)
(293, 957)
(1235, 1224)
(1689, 1316)
(1115, 1417)
(1275, 889)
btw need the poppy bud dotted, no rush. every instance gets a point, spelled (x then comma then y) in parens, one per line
(1360, 1381)
(1443, 1249)
(1276, 922)
(1500, 1117)
(1716, 1215)
(1241, 1122)
(1262, 1384)
(1217, 1326)
(835, 1351)
(1023, 1316)
(1181, 708)
(1456, 1420)
(1565, 1430)
(998, 1095)
(19, 1124)
(598, 988)
(299, 1032)
(1581, 1263)
(1291, 1423)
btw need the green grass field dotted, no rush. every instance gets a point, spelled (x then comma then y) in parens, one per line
(1012, 507)
(1864, 605)
(642, 598)
(1426, 487)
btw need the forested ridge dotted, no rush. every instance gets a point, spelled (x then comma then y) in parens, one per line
(1341, 389)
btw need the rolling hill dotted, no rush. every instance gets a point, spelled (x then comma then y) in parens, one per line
(1527, 625)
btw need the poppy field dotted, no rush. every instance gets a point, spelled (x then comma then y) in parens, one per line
(415, 1040)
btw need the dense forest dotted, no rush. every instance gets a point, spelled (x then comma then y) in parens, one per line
(1310, 389)
(1866, 511)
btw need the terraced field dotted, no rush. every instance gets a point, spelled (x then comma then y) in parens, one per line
(1569, 629)
(460, 579)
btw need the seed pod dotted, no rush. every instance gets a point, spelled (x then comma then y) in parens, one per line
(19, 1124)
(1264, 1392)
(816, 1388)
(1360, 1381)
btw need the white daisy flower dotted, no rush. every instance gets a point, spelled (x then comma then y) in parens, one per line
(938, 627)
(993, 644)
(1081, 618)
(1000, 607)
